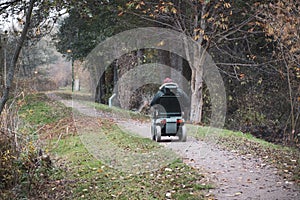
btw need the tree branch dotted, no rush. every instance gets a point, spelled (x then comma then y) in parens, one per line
(12, 66)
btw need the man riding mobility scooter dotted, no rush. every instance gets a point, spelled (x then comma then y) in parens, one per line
(167, 119)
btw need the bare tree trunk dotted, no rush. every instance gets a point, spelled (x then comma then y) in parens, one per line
(116, 74)
(2, 63)
(290, 135)
(100, 90)
(196, 99)
(196, 60)
(12, 65)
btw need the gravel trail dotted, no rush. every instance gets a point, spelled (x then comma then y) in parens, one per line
(235, 176)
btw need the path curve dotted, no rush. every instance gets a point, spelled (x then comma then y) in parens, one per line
(236, 176)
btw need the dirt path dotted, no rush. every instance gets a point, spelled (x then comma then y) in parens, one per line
(236, 177)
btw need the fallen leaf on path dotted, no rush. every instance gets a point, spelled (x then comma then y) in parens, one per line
(237, 193)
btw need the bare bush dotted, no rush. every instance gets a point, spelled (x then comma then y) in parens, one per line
(22, 163)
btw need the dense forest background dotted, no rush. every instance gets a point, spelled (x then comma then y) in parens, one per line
(255, 45)
(45, 46)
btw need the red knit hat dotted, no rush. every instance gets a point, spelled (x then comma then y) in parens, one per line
(168, 80)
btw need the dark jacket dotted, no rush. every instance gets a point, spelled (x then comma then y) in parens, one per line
(164, 90)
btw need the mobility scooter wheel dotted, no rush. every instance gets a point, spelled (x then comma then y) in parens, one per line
(182, 134)
(158, 134)
(153, 132)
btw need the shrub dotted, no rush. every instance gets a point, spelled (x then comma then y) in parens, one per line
(22, 163)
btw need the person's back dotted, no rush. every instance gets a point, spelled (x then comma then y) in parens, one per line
(167, 89)
(170, 98)
(168, 103)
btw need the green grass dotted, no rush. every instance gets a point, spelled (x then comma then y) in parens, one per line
(66, 93)
(38, 109)
(286, 159)
(228, 138)
(24, 156)
(86, 177)
(91, 179)
(120, 112)
(77, 174)
(86, 99)
(126, 140)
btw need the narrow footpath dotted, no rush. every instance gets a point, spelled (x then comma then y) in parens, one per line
(235, 176)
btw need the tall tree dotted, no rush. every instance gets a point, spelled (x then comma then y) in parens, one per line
(88, 25)
(38, 18)
(281, 22)
(207, 22)
(12, 64)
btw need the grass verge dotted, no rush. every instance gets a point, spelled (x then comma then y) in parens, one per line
(125, 140)
(89, 178)
(87, 100)
(285, 159)
(76, 174)
(37, 109)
